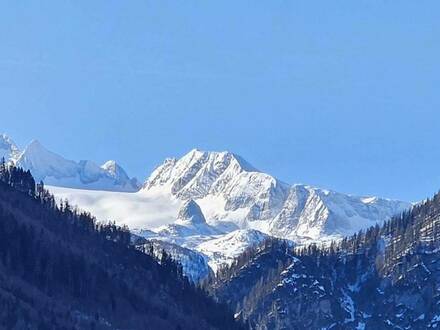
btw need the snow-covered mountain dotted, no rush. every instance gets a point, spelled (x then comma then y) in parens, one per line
(8, 149)
(218, 205)
(233, 194)
(226, 248)
(213, 203)
(55, 170)
(190, 222)
(191, 232)
(225, 186)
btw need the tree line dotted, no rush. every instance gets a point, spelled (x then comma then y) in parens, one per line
(61, 269)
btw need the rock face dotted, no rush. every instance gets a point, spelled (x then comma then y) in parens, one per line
(190, 228)
(232, 192)
(191, 214)
(190, 222)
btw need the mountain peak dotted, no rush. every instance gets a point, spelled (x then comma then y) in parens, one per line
(55, 170)
(114, 169)
(8, 149)
(191, 213)
(5, 137)
(196, 151)
(194, 174)
(244, 164)
(110, 165)
(35, 144)
(36, 152)
(225, 156)
(43, 163)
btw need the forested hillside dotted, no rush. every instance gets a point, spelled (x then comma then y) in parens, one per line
(387, 277)
(59, 269)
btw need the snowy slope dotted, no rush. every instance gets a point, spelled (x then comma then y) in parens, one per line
(234, 195)
(224, 249)
(312, 213)
(171, 221)
(8, 149)
(46, 165)
(55, 170)
(216, 250)
(190, 227)
(193, 263)
(227, 187)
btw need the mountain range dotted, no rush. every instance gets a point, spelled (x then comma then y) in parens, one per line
(214, 204)
(53, 169)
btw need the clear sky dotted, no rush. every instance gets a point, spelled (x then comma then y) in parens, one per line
(339, 94)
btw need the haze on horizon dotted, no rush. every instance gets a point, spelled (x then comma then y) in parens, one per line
(342, 97)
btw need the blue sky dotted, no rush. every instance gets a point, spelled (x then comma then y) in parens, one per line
(339, 94)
